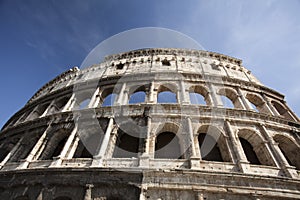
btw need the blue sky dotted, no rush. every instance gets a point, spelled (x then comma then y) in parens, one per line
(41, 39)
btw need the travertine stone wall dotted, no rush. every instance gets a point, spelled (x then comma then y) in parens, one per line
(70, 141)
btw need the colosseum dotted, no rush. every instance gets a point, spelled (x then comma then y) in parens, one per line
(157, 124)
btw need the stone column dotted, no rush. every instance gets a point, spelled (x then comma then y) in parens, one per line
(244, 102)
(73, 148)
(215, 97)
(194, 159)
(95, 99)
(269, 105)
(151, 93)
(97, 161)
(144, 158)
(242, 161)
(184, 95)
(120, 98)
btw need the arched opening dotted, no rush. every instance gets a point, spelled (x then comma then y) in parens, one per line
(109, 100)
(213, 145)
(55, 143)
(58, 105)
(282, 110)
(82, 100)
(253, 106)
(199, 95)
(168, 146)
(230, 98)
(84, 104)
(209, 148)
(137, 97)
(249, 152)
(59, 147)
(127, 146)
(289, 149)
(257, 103)
(82, 151)
(255, 148)
(167, 94)
(227, 103)
(166, 97)
(197, 99)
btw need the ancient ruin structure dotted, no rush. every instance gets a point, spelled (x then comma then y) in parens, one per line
(153, 124)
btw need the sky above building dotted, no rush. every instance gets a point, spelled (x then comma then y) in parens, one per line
(41, 39)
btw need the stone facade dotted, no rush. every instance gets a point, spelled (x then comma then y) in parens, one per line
(153, 124)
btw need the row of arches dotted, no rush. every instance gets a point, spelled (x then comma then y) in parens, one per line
(170, 142)
(164, 93)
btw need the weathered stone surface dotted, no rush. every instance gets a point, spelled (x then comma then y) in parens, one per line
(70, 142)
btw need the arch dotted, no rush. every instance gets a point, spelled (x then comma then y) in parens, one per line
(127, 145)
(137, 94)
(167, 93)
(249, 152)
(199, 95)
(108, 97)
(82, 151)
(168, 146)
(230, 98)
(282, 110)
(54, 145)
(137, 97)
(254, 148)
(257, 103)
(59, 104)
(90, 139)
(82, 100)
(213, 145)
(289, 149)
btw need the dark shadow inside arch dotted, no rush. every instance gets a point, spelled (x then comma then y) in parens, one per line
(209, 148)
(249, 152)
(168, 146)
(127, 146)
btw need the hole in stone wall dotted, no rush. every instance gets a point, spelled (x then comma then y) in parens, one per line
(109, 100)
(196, 98)
(209, 148)
(166, 97)
(127, 146)
(82, 151)
(249, 152)
(120, 66)
(168, 146)
(165, 62)
(227, 103)
(137, 97)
